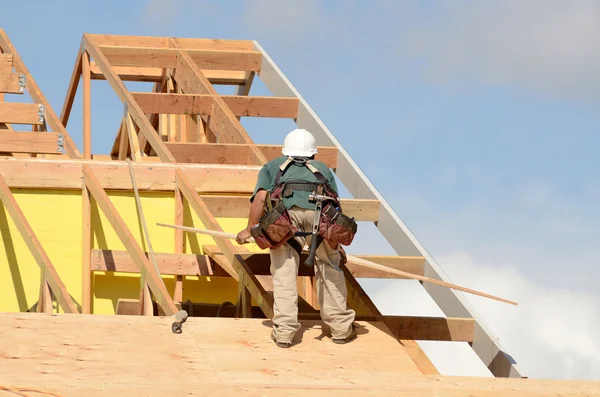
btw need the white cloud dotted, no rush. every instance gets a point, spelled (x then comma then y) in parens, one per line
(550, 46)
(551, 334)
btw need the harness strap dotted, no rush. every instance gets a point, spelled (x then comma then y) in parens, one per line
(295, 245)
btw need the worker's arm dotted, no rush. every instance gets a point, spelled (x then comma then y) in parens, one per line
(256, 211)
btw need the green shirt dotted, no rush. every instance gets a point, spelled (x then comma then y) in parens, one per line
(266, 180)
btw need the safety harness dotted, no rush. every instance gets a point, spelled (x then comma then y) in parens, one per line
(276, 228)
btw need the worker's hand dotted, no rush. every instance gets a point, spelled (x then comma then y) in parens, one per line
(243, 236)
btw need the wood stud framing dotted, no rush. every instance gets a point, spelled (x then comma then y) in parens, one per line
(185, 138)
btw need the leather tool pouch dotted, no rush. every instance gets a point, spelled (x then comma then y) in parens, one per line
(336, 227)
(275, 227)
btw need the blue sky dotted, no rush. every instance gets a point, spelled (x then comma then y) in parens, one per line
(477, 121)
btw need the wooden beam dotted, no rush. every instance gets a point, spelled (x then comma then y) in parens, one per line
(432, 328)
(180, 264)
(114, 175)
(86, 287)
(36, 249)
(179, 243)
(87, 116)
(258, 106)
(72, 89)
(235, 153)
(37, 96)
(163, 42)
(29, 142)
(222, 121)
(239, 206)
(241, 272)
(167, 58)
(20, 113)
(134, 142)
(10, 83)
(6, 63)
(137, 114)
(153, 280)
(154, 75)
(411, 347)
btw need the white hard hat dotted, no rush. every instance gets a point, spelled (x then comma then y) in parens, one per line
(299, 143)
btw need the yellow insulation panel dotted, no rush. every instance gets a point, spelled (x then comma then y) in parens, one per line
(56, 219)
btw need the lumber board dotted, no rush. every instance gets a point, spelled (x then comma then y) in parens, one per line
(29, 142)
(431, 328)
(35, 247)
(180, 264)
(154, 75)
(94, 356)
(114, 175)
(239, 207)
(6, 63)
(234, 153)
(255, 106)
(38, 97)
(9, 83)
(72, 88)
(87, 116)
(153, 280)
(167, 58)
(163, 42)
(20, 113)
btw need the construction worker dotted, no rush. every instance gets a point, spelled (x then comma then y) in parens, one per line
(300, 148)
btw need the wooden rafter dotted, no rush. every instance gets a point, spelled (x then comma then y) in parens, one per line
(49, 272)
(179, 264)
(237, 265)
(257, 106)
(222, 120)
(29, 142)
(38, 97)
(154, 281)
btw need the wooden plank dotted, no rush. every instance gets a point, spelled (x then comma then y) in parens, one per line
(154, 75)
(29, 142)
(6, 63)
(114, 175)
(87, 117)
(36, 249)
(197, 265)
(432, 328)
(258, 106)
(86, 245)
(10, 83)
(134, 142)
(36, 94)
(222, 121)
(72, 89)
(179, 243)
(20, 113)
(167, 58)
(235, 153)
(163, 42)
(138, 115)
(153, 280)
(412, 348)
(262, 106)
(238, 207)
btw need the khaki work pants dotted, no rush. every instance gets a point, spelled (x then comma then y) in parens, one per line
(331, 284)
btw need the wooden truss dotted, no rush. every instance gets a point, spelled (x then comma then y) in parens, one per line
(185, 138)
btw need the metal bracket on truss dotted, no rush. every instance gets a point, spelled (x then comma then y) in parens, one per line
(22, 82)
(60, 143)
(41, 113)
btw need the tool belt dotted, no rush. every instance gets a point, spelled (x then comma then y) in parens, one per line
(337, 227)
(275, 228)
